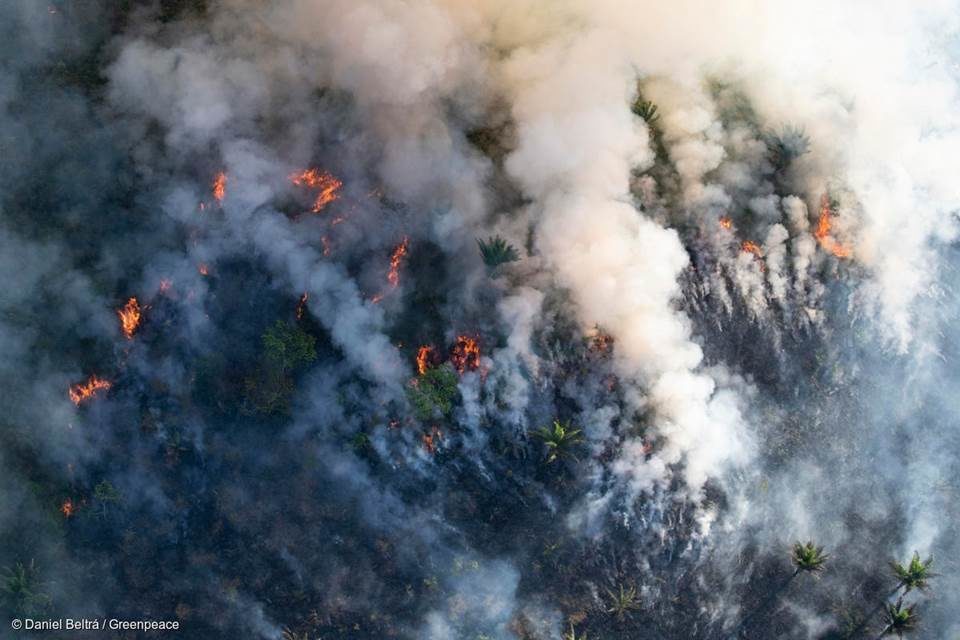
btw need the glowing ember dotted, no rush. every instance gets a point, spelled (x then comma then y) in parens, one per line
(393, 276)
(326, 185)
(465, 355)
(726, 223)
(425, 357)
(67, 508)
(301, 305)
(600, 341)
(220, 186)
(83, 391)
(430, 440)
(203, 269)
(129, 317)
(822, 233)
(749, 246)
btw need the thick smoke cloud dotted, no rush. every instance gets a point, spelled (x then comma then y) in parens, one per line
(733, 240)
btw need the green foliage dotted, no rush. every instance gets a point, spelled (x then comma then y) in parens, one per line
(560, 440)
(286, 347)
(106, 494)
(646, 110)
(497, 251)
(916, 574)
(433, 393)
(22, 590)
(808, 557)
(623, 602)
(899, 619)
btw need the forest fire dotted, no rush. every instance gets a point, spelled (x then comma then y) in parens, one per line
(67, 508)
(465, 355)
(726, 222)
(83, 391)
(753, 248)
(824, 226)
(129, 316)
(220, 187)
(326, 184)
(393, 275)
(426, 356)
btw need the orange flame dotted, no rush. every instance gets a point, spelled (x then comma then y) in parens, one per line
(67, 508)
(393, 276)
(430, 440)
(749, 246)
(82, 391)
(822, 233)
(726, 222)
(302, 305)
(129, 317)
(425, 355)
(465, 354)
(327, 186)
(220, 187)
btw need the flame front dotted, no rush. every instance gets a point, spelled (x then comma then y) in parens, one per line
(393, 276)
(129, 317)
(83, 391)
(327, 186)
(425, 355)
(465, 355)
(220, 187)
(822, 233)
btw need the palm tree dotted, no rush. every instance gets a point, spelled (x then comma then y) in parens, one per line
(808, 557)
(899, 619)
(572, 634)
(624, 602)
(559, 440)
(22, 590)
(646, 110)
(497, 251)
(915, 574)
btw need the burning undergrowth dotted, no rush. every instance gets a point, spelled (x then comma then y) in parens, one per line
(470, 332)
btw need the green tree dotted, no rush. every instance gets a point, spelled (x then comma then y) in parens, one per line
(496, 251)
(22, 590)
(808, 557)
(915, 574)
(646, 110)
(623, 602)
(899, 619)
(560, 440)
(286, 348)
(433, 393)
(106, 495)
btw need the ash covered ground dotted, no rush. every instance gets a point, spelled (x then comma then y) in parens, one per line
(481, 320)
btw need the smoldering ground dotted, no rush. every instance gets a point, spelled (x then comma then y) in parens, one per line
(711, 314)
